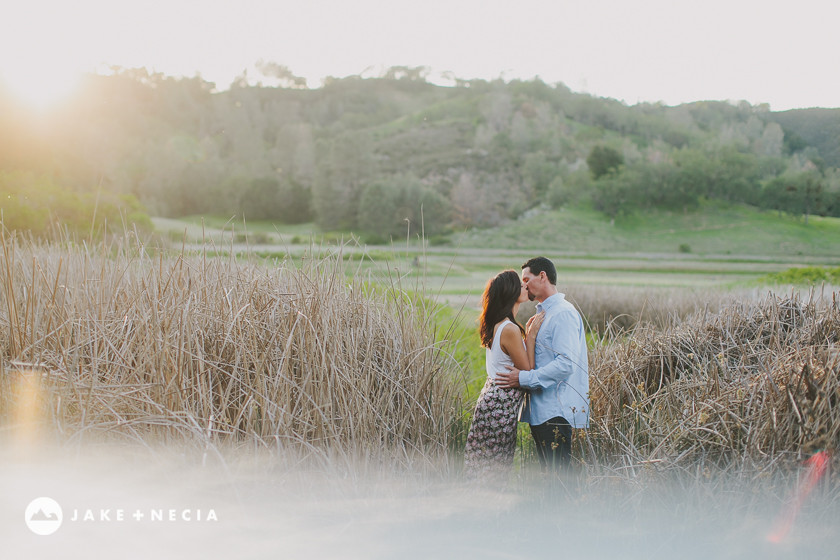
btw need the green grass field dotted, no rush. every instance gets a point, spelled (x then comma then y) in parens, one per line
(715, 230)
(718, 246)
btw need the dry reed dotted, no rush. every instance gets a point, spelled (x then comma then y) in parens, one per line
(746, 387)
(618, 309)
(117, 341)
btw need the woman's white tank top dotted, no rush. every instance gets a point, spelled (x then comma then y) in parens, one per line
(496, 359)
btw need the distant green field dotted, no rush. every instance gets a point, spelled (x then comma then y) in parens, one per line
(717, 247)
(716, 229)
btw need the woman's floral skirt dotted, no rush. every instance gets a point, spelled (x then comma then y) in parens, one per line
(492, 438)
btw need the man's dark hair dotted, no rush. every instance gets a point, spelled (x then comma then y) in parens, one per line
(542, 264)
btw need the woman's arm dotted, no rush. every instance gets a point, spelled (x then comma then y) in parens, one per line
(511, 343)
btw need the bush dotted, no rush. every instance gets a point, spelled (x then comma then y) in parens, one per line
(603, 160)
(35, 204)
(269, 198)
(809, 275)
(390, 208)
(254, 238)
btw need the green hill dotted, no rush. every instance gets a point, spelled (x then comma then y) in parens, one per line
(818, 128)
(370, 155)
(715, 230)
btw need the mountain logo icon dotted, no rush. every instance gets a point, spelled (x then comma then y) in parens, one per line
(43, 516)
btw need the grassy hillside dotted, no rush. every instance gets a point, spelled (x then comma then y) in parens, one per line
(715, 230)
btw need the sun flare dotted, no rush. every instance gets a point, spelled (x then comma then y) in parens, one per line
(38, 87)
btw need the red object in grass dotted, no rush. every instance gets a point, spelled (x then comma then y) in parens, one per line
(817, 465)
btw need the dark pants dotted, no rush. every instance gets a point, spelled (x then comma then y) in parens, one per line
(554, 443)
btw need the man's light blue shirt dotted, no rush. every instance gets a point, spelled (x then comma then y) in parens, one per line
(559, 386)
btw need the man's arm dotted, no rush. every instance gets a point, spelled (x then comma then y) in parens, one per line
(508, 379)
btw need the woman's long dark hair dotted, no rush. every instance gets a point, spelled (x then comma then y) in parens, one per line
(497, 303)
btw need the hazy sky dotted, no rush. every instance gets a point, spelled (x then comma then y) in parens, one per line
(786, 54)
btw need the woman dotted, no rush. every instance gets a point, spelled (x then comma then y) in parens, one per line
(492, 438)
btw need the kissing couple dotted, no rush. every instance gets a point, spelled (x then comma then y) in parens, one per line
(538, 374)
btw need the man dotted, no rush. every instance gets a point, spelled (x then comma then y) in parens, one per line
(558, 388)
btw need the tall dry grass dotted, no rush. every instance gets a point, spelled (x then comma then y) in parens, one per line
(121, 342)
(749, 385)
(610, 310)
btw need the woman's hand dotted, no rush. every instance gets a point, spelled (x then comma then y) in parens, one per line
(532, 327)
(533, 324)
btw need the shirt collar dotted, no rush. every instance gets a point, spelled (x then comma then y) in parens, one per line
(550, 302)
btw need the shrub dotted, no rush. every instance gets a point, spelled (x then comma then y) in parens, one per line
(35, 204)
(808, 275)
